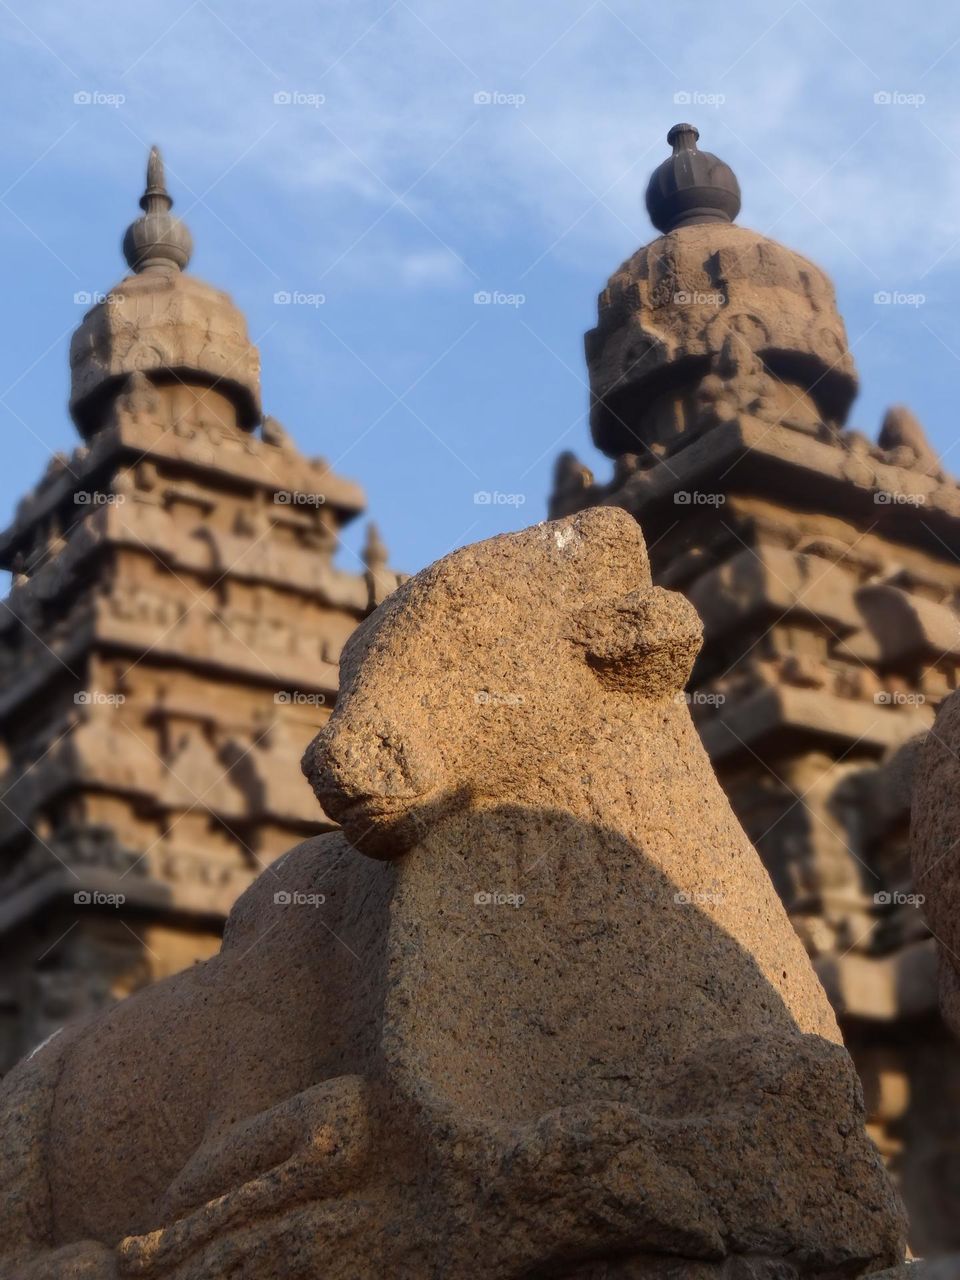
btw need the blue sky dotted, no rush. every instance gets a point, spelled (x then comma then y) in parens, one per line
(382, 184)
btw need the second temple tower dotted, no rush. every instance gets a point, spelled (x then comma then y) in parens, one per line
(825, 569)
(169, 645)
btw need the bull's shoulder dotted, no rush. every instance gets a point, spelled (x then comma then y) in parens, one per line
(298, 874)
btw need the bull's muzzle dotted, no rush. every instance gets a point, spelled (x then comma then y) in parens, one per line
(368, 774)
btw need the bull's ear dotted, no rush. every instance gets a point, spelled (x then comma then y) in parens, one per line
(644, 642)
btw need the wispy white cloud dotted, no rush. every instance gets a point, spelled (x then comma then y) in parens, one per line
(399, 181)
(796, 84)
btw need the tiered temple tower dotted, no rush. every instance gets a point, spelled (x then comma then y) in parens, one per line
(825, 568)
(168, 648)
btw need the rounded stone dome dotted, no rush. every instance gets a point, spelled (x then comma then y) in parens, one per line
(703, 288)
(162, 323)
(157, 238)
(171, 327)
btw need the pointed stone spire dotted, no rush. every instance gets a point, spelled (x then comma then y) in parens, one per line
(380, 580)
(375, 554)
(901, 429)
(157, 241)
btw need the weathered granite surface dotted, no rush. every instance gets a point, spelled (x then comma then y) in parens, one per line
(935, 832)
(536, 1011)
(932, 1269)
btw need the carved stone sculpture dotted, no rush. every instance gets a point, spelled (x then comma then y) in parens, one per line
(536, 1011)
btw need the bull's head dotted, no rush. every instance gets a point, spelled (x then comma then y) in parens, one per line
(492, 675)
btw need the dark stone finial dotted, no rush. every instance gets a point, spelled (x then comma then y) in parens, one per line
(157, 240)
(691, 186)
(683, 137)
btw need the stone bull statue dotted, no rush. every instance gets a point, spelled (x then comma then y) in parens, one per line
(536, 1011)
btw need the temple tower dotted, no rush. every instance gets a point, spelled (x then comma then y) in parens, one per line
(168, 648)
(825, 568)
